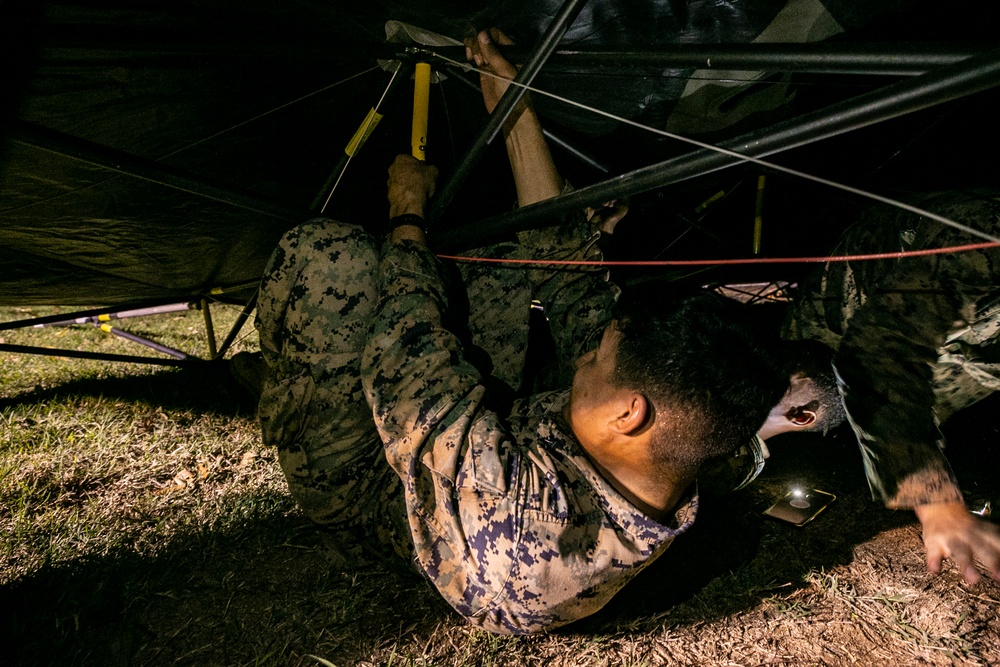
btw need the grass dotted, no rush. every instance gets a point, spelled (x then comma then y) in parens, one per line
(144, 523)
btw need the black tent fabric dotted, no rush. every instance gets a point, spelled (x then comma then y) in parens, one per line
(159, 149)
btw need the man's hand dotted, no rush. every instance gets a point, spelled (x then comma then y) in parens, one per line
(951, 531)
(535, 175)
(482, 50)
(607, 216)
(411, 185)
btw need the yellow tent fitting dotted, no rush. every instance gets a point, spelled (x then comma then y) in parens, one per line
(421, 99)
(758, 215)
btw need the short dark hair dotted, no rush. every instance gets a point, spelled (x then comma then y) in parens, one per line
(709, 361)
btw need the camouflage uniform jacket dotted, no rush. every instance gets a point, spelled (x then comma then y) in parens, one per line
(916, 338)
(508, 518)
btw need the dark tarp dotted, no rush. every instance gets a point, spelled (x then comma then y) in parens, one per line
(124, 119)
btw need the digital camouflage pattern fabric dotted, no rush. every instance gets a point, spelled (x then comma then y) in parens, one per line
(495, 503)
(916, 337)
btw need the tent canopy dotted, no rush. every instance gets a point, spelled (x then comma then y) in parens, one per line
(159, 149)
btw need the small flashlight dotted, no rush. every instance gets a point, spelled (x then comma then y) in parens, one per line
(799, 498)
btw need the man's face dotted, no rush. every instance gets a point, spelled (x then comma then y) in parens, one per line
(592, 384)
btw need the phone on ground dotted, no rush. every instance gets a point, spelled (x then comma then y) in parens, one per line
(800, 506)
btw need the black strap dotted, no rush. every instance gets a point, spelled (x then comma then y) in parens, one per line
(407, 219)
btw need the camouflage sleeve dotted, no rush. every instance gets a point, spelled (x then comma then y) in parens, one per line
(509, 519)
(451, 454)
(577, 301)
(885, 359)
(884, 367)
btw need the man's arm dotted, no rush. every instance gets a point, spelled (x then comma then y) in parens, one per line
(576, 300)
(884, 367)
(412, 366)
(884, 363)
(450, 452)
(535, 175)
(411, 185)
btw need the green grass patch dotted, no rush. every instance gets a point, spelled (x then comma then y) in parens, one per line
(144, 523)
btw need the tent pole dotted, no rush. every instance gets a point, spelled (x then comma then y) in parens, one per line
(237, 325)
(100, 314)
(902, 59)
(209, 329)
(560, 24)
(553, 138)
(100, 356)
(141, 340)
(950, 83)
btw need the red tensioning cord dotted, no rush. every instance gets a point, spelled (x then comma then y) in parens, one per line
(752, 260)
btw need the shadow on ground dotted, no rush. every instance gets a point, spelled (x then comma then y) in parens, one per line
(256, 591)
(205, 387)
(255, 587)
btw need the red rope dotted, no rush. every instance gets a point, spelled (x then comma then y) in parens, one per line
(751, 260)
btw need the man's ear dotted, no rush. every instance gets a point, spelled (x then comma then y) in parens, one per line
(801, 416)
(632, 414)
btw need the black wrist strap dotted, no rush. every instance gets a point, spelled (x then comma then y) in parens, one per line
(407, 219)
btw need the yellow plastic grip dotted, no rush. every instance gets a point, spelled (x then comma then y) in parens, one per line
(758, 217)
(708, 202)
(421, 98)
(363, 132)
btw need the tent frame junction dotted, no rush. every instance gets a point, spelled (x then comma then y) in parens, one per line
(932, 75)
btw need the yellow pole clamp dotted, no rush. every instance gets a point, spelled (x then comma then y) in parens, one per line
(421, 100)
(758, 215)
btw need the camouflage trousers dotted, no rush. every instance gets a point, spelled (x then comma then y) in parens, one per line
(315, 305)
(314, 311)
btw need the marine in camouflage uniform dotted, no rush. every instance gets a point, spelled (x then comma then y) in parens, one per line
(915, 337)
(499, 507)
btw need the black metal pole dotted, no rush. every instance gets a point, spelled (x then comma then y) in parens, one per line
(238, 324)
(553, 138)
(60, 143)
(968, 77)
(546, 45)
(101, 356)
(127, 335)
(902, 59)
(889, 59)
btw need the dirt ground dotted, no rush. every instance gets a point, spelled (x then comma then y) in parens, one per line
(249, 584)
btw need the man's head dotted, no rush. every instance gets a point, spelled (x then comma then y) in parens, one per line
(691, 378)
(811, 401)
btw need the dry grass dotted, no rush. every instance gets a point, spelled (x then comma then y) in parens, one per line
(145, 524)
